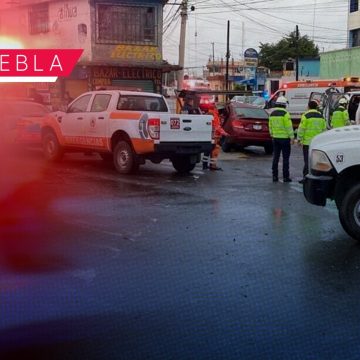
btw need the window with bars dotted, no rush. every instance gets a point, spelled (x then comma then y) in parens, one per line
(126, 24)
(39, 18)
(354, 5)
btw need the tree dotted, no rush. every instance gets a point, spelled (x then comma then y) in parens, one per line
(272, 55)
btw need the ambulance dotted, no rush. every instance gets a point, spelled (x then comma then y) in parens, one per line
(298, 93)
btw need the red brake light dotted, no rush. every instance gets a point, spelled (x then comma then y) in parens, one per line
(154, 128)
(238, 124)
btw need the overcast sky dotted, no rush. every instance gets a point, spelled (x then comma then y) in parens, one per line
(265, 21)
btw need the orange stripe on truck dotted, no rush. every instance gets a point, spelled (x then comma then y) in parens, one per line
(143, 146)
(130, 115)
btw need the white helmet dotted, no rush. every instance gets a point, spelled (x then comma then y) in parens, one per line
(281, 100)
(343, 101)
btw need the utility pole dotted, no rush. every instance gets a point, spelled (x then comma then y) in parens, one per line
(297, 53)
(313, 26)
(242, 40)
(227, 58)
(213, 57)
(183, 14)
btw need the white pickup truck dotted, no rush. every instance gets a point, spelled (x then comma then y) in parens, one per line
(127, 127)
(334, 165)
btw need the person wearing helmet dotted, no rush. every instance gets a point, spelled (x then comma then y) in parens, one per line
(340, 116)
(312, 123)
(282, 133)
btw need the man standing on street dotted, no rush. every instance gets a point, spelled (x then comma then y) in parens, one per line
(340, 116)
(282, 133)
(312, 123)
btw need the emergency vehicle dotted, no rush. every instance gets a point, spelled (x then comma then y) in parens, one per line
(334, 173)
(207, 101)
(298, 93)
(127, 127)
(329, 101)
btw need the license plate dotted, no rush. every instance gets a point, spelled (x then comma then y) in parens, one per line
(257, 127)
(174, 123)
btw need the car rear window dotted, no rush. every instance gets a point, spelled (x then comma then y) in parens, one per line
(244, 112)
(24, 108)
(142, 103)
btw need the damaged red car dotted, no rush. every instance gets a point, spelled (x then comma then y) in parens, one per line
(245, 125)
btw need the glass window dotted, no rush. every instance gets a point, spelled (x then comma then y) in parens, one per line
(39, 18)
(101, 102)
(80, 105)
(126, 24)
(354, 5)
(260, 101)
(244, 112)
(355, 37)
(142, 103)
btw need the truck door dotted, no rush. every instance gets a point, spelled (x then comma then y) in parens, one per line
(271, 103)
(353, 106)
(97, 120)
(72, 123)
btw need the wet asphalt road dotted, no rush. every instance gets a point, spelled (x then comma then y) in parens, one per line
(220, 265)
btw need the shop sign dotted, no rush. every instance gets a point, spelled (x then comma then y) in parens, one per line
(136, 52)
(102, 76)
(251, 57)
(251, 53)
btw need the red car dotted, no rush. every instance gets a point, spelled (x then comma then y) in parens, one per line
(21, 120)
(245, 125)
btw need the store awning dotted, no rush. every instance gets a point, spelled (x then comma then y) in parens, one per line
(163, 65)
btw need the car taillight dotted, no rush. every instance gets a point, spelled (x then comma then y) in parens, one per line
(238, 124)
(154, 128)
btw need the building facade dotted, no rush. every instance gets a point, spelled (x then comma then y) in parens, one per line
(340, 64)
(121, 41)
(354, 24)
(240, 75)
(344, 63)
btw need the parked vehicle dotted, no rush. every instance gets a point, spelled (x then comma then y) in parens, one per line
(298, 93)
(21, 121)
(128, 128)
(245, 125)
(329, 101)
(239, 98)
(334, 159)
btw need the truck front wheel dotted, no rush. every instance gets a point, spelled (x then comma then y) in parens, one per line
(349, 212)
(125, 160)
(183, 164)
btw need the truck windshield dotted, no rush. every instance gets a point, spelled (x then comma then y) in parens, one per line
(142, 103)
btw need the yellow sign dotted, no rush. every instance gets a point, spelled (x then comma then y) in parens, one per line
(251, 62)
(136, 52)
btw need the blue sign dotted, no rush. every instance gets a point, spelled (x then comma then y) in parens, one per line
(251, 53)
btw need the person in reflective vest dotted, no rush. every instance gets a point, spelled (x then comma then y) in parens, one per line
(340, 116)
(312, 123)
(212, 156)
(282, 133)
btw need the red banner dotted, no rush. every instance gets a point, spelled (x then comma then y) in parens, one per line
(38, 62)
